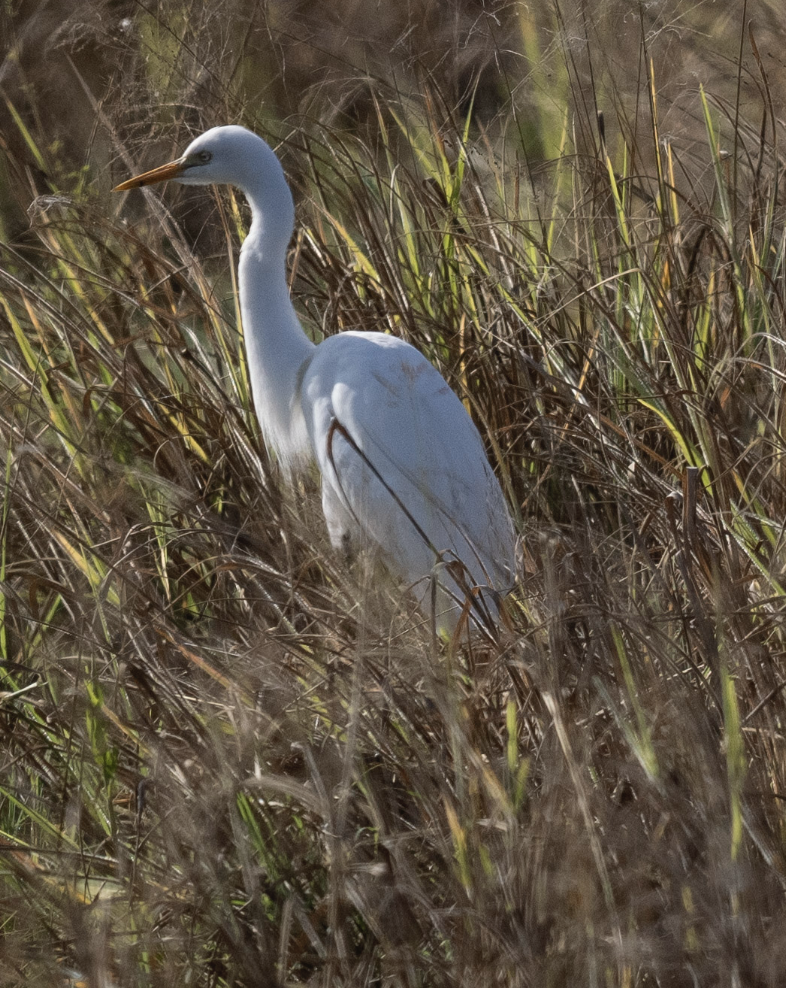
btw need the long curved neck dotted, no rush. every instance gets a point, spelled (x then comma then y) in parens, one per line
(276, 345)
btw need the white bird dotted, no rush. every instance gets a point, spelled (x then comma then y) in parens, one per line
(403, 466)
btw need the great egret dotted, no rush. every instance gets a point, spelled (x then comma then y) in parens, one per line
(403, 466)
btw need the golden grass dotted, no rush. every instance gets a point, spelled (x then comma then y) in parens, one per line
(228, 759)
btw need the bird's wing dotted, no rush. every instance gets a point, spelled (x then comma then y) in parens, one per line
(401, 461)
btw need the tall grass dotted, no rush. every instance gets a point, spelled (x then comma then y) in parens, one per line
(230, 759)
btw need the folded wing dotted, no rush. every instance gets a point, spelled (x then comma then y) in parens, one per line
(404, 469)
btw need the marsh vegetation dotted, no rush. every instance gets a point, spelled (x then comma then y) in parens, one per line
(228, 758)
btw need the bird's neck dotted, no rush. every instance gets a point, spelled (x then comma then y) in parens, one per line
(276, 345)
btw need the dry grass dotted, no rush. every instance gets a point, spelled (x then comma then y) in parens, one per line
(229, 760)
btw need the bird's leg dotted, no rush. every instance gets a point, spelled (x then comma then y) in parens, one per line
(347, 547)
(339, 523)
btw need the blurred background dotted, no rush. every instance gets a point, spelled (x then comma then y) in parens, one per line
(226, 757)
(93, 80)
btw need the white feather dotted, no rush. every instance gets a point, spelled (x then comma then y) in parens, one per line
(403, 466)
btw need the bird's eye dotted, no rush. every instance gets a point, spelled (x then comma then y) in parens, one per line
(203, 157)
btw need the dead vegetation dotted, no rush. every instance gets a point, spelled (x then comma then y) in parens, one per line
(226, 758)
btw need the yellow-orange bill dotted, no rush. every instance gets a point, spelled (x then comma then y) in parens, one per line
(170, 170)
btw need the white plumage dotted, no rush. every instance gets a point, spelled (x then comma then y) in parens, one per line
(403, 466)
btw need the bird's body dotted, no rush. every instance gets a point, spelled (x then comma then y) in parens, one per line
(403, 467)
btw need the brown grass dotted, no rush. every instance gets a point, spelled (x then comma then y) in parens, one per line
(227, 758)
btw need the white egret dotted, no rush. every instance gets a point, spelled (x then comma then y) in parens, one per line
(403, 466)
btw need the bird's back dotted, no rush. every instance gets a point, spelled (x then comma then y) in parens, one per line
(403, 466)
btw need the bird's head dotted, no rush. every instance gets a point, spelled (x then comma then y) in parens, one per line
(220, 156)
